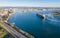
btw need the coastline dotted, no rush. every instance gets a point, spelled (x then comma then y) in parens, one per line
(18, 29)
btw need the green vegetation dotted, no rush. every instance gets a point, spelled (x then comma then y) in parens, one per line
(0, 23)
(3, 31)
(56, 13)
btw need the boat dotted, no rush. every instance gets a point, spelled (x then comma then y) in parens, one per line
(41, 16)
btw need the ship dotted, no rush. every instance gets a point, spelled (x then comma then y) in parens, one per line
(41, 16)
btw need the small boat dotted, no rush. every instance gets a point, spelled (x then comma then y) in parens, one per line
(40, 15)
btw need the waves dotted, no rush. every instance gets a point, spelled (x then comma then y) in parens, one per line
(51, 19)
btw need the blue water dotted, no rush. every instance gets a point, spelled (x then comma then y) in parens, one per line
(29, 22)
(7, 36)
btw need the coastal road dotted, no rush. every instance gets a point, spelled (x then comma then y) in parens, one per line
(11, 30)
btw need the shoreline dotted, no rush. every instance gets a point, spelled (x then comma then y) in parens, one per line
(18, 29)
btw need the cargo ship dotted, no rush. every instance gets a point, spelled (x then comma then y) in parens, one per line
(41, 16)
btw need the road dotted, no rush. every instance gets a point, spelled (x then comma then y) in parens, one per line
(11, 30)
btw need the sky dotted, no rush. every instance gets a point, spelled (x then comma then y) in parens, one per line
(30, 3)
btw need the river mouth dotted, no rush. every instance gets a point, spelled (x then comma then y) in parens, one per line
(29, 22)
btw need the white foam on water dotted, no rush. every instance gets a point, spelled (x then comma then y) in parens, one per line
(51, 19)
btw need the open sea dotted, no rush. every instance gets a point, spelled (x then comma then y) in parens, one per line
(36, 26)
